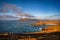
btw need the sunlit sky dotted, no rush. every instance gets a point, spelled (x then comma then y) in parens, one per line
(37, 8)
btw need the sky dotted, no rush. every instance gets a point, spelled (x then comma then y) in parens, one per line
(40, 9)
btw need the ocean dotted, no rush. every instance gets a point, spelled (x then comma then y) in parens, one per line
(16, 26)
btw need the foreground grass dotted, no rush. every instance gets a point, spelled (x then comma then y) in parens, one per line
(40, 36)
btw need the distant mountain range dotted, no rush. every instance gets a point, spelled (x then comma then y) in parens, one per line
(10, 17)
(53, 17)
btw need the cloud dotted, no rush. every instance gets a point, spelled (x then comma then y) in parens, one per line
(15, 9)
(25, 15)
(56, 17)
(28, 15)
(6, 7)
(8, 17)
(3, 11)
(12, 7)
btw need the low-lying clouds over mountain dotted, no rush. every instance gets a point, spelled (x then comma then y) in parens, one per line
(54, 17)
(25, 15)
(17, 11)
(8, 17)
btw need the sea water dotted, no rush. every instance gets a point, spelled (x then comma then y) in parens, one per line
(18, 26)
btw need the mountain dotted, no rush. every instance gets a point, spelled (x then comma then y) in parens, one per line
(27, 19)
